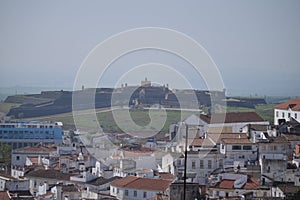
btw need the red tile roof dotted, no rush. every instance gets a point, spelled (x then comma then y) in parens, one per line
(226, 184)
(218, 137)
(165, 175)
(293, 104)
(199, 142)
(36, 149)
(236, 141)
(233, 117)
(142, 183)
(4, 195)
(252, 183)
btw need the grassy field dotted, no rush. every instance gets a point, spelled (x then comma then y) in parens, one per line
(5, 107)
(107, 121)
(87, 122)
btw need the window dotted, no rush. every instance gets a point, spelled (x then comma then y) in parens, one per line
(126, 192)
(295, 115)
(135, 193)
(145, 195)
(201, 164)
(289, 115)
(117, 190)
(275, 148)
(178, 162)
(277, 114)
(247, 147)
(193, 164)
(221, 163)
(282, 114)
(209, 164)
(236, 147)
(18, 157)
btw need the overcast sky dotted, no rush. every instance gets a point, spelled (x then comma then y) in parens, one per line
(255, 44)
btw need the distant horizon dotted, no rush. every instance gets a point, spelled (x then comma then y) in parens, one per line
(26, 90)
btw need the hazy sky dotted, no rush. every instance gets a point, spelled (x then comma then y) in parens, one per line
(255, 44)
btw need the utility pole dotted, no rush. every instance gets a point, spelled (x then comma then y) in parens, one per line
(185, 161)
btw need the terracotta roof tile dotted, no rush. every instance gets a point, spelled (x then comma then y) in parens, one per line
(4, 195)
(36, 149)
(236, 141)
(218, 137)
(227, 184)
(49, 174)
(252, 183)
(142, 183)
(293, 104)
(233, 117)
(202, 142)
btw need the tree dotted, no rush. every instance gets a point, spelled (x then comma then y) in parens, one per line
(5, 151)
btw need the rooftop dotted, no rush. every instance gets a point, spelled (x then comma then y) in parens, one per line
(49, 174)
(36, 149)
(199, 142)
(142, 183)
(218, 137)
(293, 104)
(251, 183)
(233, 117)
(236, 141)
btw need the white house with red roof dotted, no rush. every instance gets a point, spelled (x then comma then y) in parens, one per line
(286, 111)
(137, 188)
(224, 122)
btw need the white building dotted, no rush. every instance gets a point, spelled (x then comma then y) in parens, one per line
(200, 164)
(224, 122)
(285, 111)
(238, 151)
(137, 188)
(273, 158)
(9, 183)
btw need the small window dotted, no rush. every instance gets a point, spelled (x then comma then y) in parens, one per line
(145, 195)
(247, 147)
(282, 114)
(193, 164)
(126, 192)
(295, 115)
(236, 147)
(135, 193)
(277, 114)
(289, 115)
(18, 157)
(209, 164)
(201, 164)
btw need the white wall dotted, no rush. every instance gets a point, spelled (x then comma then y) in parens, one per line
(278, 115)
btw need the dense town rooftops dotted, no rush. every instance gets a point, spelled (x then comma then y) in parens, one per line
(234, 117)
(142, 183)
(49, 174)
(293, 104)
